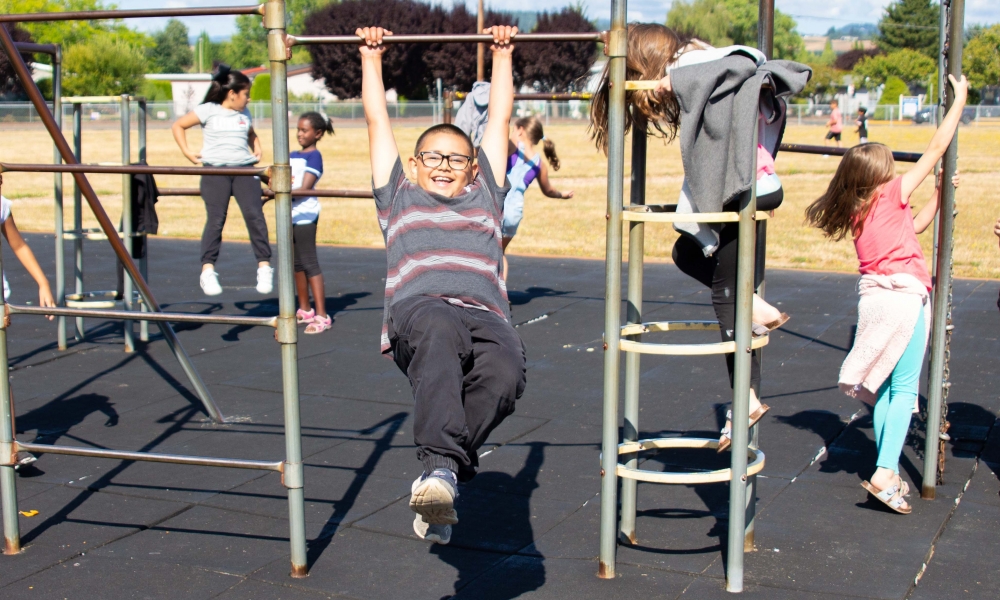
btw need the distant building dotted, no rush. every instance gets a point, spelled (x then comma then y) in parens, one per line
(188, 89)
(817, 44)
(300, 82)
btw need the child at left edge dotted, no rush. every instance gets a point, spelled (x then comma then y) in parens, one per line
(24, 254)
(446, 320)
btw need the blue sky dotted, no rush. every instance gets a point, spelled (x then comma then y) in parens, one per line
(813, 16)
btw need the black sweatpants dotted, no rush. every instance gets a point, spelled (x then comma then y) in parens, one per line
(466, 367)
(304, 245)
(718, 272)
(216, 191)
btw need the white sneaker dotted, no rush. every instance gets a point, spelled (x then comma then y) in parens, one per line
(437, 534)
(433, 497)
(265, 279)
(210, 283)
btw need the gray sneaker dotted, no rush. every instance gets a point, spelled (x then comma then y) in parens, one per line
(438, 534)
(433, 497)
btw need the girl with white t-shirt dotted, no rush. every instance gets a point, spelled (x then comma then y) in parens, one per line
(25, 255)
(229, 141)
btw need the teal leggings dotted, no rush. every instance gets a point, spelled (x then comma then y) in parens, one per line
(896, 399)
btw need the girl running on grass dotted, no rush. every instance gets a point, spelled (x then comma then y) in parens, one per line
(524, 165)
(869, 202)
(307, 168)
(229, 141)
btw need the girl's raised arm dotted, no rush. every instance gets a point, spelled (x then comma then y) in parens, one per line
(941, 140)
(24, 254)
(497, 135)
(381, 142)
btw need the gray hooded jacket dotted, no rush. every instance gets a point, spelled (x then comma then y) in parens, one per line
(721, 102)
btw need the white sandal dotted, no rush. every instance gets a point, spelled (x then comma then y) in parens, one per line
(890, 496)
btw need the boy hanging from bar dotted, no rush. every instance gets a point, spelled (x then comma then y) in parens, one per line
(447, 320)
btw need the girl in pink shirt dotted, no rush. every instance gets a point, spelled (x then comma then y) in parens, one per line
(868, 201)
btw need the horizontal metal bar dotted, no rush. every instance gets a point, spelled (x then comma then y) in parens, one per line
(94, 99)
(37, 48)
(134, 169)
(168, 317)
(179, 459)
(555, 96)
(95, 15)
(806, 149)
(270, 194)
(461, 38)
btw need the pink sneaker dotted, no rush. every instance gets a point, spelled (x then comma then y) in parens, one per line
(302, 316)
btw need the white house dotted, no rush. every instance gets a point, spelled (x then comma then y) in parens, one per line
(300, 82)
(188, 89)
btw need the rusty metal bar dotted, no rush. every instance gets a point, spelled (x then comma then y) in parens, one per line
(823, 150)
(178, 459)
(270, 194)
(97, 15)
(128, 315)
(83, 184)
(128, 169)
(455, 38)
(555, 96)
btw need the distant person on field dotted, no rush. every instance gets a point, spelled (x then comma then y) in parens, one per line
(229, 141)
(447, 320)
(862, 123)
(524, 165)
(869, 202)
(834, 123)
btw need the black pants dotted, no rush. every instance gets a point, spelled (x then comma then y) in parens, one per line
(304, 244)
(718, 272)
(216, 191)
(466, 367)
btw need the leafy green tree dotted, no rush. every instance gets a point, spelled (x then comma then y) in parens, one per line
(157, 91)
(724, 22)
(103, 66)
(824, 82)
(894, 88)
(10, 85)
(906, 65)
(910, 24)
(171, 54)
(981, 59)
(68, 33)
(828, 57)
(248, 46)
(260, 90)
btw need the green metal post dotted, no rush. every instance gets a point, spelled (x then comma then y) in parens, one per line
(60, 291)
(741, 386)
(633, 314)
(78, 212)
(281, 183)
(616, 48)
(125, 117)
(8, 479)
(144, 261)
(942, 284)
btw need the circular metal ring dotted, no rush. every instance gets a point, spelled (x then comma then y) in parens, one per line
(756, 464)
(680, 349)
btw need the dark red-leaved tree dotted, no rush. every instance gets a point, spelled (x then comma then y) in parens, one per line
(10, 86)
(847, 60)
(455, 64)
(561, 66)
(340, 65)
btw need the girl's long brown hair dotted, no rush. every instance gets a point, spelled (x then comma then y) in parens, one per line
(533, 127)
(842, 210)
(651, 47)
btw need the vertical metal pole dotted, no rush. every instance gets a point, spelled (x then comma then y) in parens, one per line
(60, 225)
(287, 334)
(125, 118)
(449, 107)
(741, 387)
(942, 285)
(78, 212)
(765, 43)
(633, 314)
(617, 46)
(8, 479)
(144, 261)
(942, 81)
(480, 48)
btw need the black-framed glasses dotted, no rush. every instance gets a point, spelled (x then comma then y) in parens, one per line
(432, 160)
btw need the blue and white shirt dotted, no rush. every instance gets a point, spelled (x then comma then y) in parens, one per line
(305, 210)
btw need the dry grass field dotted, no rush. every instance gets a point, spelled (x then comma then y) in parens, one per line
(573, 228)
